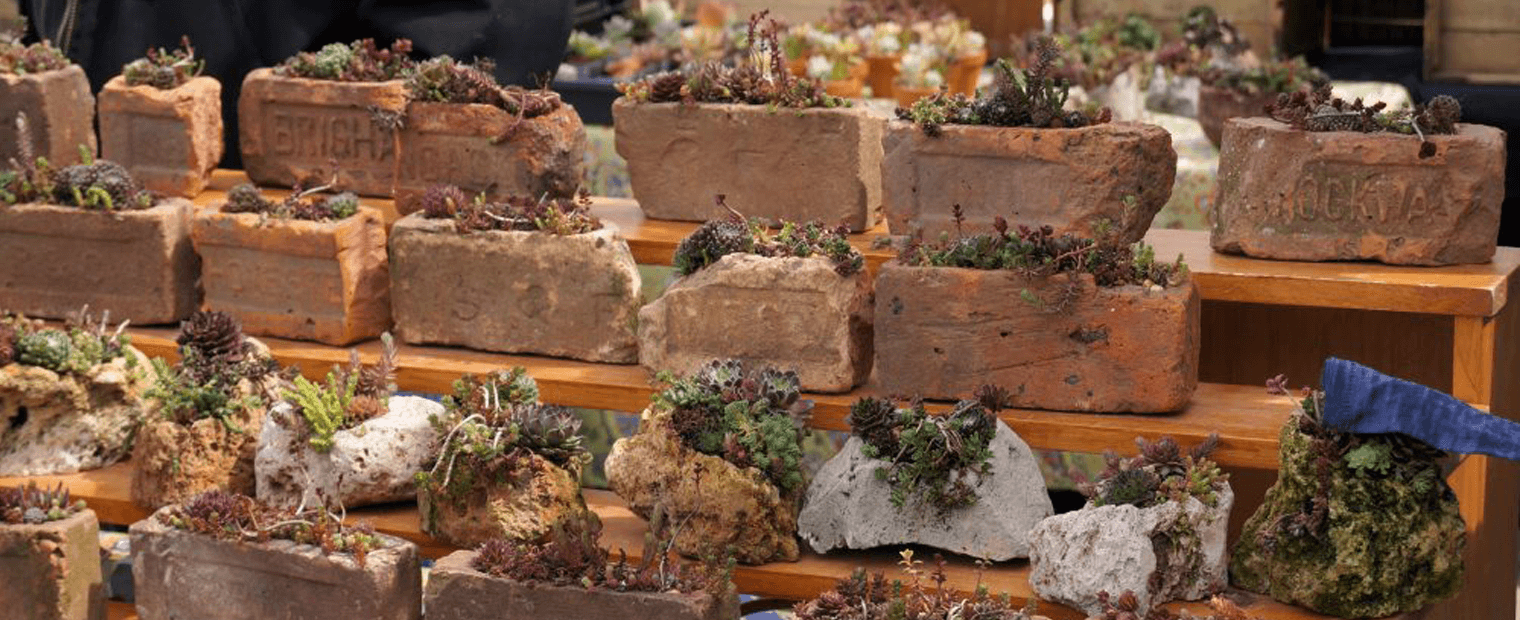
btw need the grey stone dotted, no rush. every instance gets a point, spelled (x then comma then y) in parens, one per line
(58, 424)
(849, 507)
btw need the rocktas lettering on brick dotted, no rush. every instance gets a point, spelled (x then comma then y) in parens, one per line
(1334, 192)
(319, 134)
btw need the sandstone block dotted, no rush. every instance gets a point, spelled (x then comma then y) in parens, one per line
(526, 505)
(941, 332)
(58, 424)
(292, 129)
(1217, 105)
(1303, 195)
(1069, 179)
(849, 507)
(170, 140)
(171, 463)
(178, 574)
(60, 114)
(463, 145)
(138, 264)
(515, 291)
(456, 591)
(322, 281)
(789, 313)
(373, 463)
(797, 165)
(725, 508)
(1171, 551)
(51, 571)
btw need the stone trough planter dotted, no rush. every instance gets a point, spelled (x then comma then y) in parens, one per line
(53, 423)
(456, 591)
(180, 574)
(515, 291)
(305, 280)
(1299, 195)
(461, 145)
(60, 115)
(139, 264)
(292, 130)
(941, 332)
(1070, 179)
(786, 312)
(819, 165)
(51, 571)
(171, 139)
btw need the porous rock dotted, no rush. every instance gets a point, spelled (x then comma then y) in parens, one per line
(724, 508)
(58, 424)
(372, 463)
(51, 571)
(848, 506)
(524, 505)
(173, 462)
(785, 312)
(170, 139)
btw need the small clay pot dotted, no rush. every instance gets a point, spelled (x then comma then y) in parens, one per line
(964, 73)
(906, 95)
(881, 73)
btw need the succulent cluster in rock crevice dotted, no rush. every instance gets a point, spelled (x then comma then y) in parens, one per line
(217, 376)
(930, 457)
(34, 505)
(359, 61)
(735, 235)
(84, 342)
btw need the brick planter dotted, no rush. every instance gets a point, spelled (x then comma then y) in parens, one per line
(1070, 179)
(797, 165)
(322, 281)
(170, 140)
(941, 332)
(1300, 195)
(60, 114)
(515, 291)
(457, 144)
(291, 129)
(456, 591)
(1217, 105)
(182, 575)
(51, 571)
(138, 264)
(788, 313)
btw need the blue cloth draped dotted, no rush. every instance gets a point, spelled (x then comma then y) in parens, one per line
(1359, 399)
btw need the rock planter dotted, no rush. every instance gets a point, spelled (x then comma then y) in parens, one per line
(172, 462)
(813, 164)
(251, 263)
(373, 463)
(456, 591)
(848, 506)
(787, 312)
(51, 571)
(515, 291)
(1070, 179)
(60, 114)
(140, 264)
(293, 129)
(462, 145)
(1298, 195)
(1053, 342)
(524, 505)
(180, 574)
(52, 423)
(171, 139)
(1217, 105)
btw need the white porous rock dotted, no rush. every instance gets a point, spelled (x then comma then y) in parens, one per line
(59, 424)
(372, 463)
(1115, 548)
(849, 506)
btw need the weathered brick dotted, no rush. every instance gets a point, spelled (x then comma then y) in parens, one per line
(170, 140)
(51, 571)
(60, 114)
(1217, 105)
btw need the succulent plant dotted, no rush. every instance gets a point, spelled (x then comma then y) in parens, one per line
(558, 216)
(239, 518)
(929, 458)
(1040, 252)
(360, 61)
(718, 238)
(1031, 98)
(1161, 472)
(1318, 109)
(34, 505)
(213, 335)
(99, 185)
(921, 595)
(301, 204)
(164, 69)
(18, 59)
(445, 80)
(83, 343)
(215, 372)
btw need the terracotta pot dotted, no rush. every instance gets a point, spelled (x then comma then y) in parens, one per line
(1216, 105)
(881, 75)
(251, 263)
(52, 570)
(1053, 342)
(907, 95)
(859, 70)
(797, 66)
(139, 264)
(170, 140)
(60, 114)
(848, 89)
(964, 73)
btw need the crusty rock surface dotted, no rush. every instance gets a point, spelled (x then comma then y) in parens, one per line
(172, 463)
(59, 424)
(524, 505)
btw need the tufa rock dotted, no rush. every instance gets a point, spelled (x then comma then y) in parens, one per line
(51, 571)
(171, 139)
(848, 506)
(59, 424)
(172, 463)
(524, 503)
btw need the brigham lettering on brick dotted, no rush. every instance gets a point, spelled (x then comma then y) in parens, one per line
(327, 134)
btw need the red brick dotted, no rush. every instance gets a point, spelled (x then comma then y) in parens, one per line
(60, 114)
(51, 571)
(170, 140)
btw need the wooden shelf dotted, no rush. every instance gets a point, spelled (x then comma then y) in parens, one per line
(105, 490)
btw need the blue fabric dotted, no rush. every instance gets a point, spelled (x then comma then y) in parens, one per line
(1359, 399)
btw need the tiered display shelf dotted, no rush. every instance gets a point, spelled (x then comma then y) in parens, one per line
(1299, 312)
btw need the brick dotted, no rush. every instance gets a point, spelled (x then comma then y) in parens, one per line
(789, 313)
(170, 140)
(1069, 179)
(455, 591)
(51, 571)
(139, 264)
(457, 144)
(1301, 195)
(181, 575)
(1217, 105)
(515, 291)
(797, 165)
(60, 114)
(941, 332)
(292, 129)
(305, 280)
